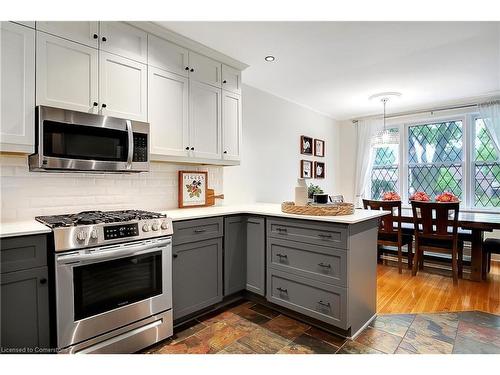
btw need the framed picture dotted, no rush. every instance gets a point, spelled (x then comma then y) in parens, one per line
(192, 188)
(319, 169)
(306, 145)
(319, 148)
(305, 169)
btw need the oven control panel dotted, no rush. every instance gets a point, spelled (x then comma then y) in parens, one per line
(113, 232)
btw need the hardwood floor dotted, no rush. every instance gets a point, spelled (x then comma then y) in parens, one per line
(432, 292)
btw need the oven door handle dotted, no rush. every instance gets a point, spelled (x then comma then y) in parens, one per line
(100, 255)
(130, 143)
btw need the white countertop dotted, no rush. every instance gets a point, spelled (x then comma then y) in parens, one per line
(27, 227)
(22, 228)
(267, 209)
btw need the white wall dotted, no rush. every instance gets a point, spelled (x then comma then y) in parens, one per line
(270, 165)
(347, 135)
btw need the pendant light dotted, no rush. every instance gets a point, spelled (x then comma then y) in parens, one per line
(385, 137)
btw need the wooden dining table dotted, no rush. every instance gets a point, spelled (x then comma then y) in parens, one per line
(477, 223)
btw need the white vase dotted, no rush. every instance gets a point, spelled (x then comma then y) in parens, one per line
(301, 192)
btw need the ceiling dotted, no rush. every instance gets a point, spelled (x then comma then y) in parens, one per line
(333, 67)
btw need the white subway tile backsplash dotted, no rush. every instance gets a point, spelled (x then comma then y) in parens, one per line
(25, 194)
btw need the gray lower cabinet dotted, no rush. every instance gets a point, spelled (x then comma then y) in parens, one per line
(25, 322)
(256, 255)
(235, 251)
(197, 276)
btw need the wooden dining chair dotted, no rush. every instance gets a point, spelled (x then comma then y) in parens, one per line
(436, 230)
(390, 232)
(490, 246)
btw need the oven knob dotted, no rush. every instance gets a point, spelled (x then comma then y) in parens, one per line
(155, 226)
(93, 234)
(145, 228)
(81, 236)
(164, 225)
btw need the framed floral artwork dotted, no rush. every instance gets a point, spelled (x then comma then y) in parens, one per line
(192, 188)
(305, 169)
(319, 169)
(306, 145)
(319, 148)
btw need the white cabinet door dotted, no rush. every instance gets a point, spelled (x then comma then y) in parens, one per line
(204, 69)
(204, 120)
(168, 56)
(124, 40)
(122, 87)
(168, 112)
(231, 79)
(231, 125)
(66, 74)
(17, 95)
(85, 32)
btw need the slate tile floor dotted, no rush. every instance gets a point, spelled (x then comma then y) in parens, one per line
(249, 328)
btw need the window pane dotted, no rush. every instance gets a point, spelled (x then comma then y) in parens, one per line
(487, 186)
(383, 180)
(484, 147)
(387, 155)
(435, 143)
(435, 179)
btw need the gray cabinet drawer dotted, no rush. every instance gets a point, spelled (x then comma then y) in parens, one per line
(314, 233)
(328, 265)
(197, 230)
(318, 300)
(20, 253)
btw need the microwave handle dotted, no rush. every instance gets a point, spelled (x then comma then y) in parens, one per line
(130, 144)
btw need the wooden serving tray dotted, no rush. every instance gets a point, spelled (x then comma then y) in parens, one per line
(335, 209)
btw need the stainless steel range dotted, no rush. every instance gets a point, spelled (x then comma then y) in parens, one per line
(113, 280)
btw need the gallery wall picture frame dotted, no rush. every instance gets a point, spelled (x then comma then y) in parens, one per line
(192, 189)
(319, 169)
(306, 167)
(306, 145)
(319, 147)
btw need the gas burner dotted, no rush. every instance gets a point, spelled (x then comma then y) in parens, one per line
(97, 217)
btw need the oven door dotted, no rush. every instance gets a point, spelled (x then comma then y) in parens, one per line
(99, 290)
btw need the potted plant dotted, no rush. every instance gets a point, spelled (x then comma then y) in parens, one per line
(313, 189)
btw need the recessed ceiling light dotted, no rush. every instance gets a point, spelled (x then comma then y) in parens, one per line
(269, 58)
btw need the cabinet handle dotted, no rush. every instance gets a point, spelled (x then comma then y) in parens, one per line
(103, 105)
(95, 36)
(324, 265)
(281, 230)
(325, 304)
(96, 104)
(324, 235)
(186, 68)
(225, 152)
(282, 290)
(200, 230)
(104, 39)
(43, 281)
(174, 255)
(281, 255)
(187, 148)
(191, 70)
(224, 81)
(192, 148)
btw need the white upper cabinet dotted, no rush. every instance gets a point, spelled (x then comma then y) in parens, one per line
(124, 40)
(84, 32)
(231, 125)
(205, 120)
(17, 95)
(231, 79)
(122, 87)
(168, 112)
(168, 56)
(204, 69)
(66, 74)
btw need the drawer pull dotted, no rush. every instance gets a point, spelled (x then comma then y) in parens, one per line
(282, 290)
(325, 265)
(281, 230)
(325, 304)
(281, 255)
(324, 235)
(200, 230)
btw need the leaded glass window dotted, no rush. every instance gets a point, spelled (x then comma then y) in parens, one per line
(385, 172)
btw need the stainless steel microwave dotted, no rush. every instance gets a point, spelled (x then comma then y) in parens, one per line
(77, 141)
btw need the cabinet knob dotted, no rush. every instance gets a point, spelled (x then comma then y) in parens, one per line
(186, 68)
(187, 148)
(104, 105)
(282, 290)
(174, 255)
(225, 152)
(224, 81)
(192, 148)
(43, 281)
(104, 39)
(96, 104)
(191, 70)
(95, 36)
